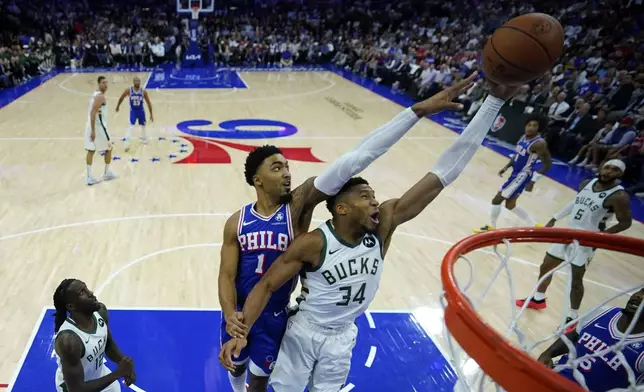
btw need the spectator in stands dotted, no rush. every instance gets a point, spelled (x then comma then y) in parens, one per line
(580, 128)
(612, 142)
(558, 108)
(585, 151)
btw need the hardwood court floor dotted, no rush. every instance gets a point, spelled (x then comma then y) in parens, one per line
(150, 238)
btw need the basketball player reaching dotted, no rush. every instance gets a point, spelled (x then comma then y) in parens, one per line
(530, 147)
(260, 231)
(83, 339)
(341, 263)
(137, 95)
(595, 333)
(97, 137)
(597, 199)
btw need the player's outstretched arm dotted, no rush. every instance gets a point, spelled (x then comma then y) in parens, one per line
(374, 145)
(305, 250)
(557, 349)
(227, 275)
(122, 97)
(567, 209)
(541, 149)
(621, 205)
(449, 166)
(112, 351)
(69, 348)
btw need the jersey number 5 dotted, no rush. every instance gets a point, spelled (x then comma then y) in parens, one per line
(359, 296)
(579, 214)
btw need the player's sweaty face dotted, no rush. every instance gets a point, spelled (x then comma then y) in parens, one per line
(82, 298)
(609, 173)
(364, 207)
(275, 175)
(634, 302)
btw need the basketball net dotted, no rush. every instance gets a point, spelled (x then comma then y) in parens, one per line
(488, 358)
(195, 12)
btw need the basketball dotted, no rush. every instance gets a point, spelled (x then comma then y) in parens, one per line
(523, 49)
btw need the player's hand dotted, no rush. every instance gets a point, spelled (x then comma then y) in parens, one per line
(230, 349)
(501, 91)
(235, 325)
(125, 367)
(551, 222)
(92, 136)
(502, 172)
(151, 118)
(530, 186)
(546, 360)
(117, 109)
(443, 100)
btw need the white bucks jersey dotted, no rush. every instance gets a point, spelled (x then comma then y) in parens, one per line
(344, 283)
(589, 210)
(101, 116)
(93, 348)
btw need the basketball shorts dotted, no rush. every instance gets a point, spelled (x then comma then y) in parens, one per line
(263, 342)
(114, 387)
(101, 141)
(515, 185)
(582, 257)
(137, 115)
(313, 356)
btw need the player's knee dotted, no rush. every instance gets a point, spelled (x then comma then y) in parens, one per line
(498, 199)
(257, 383)
(239, 370)
(510, 204)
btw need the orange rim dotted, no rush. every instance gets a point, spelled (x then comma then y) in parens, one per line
(509, 367)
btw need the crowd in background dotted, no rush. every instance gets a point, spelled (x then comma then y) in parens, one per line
(594, 97)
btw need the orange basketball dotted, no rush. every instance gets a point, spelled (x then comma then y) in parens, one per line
(523, 49)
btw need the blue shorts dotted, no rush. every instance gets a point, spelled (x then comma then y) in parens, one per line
(264, 342)
(137, 115)
(515, 185)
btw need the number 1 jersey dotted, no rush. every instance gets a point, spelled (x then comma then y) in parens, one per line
(261, 241)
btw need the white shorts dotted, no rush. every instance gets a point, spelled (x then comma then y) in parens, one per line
(114, 387)
(313, 355)
(102, 141)
(582, 257)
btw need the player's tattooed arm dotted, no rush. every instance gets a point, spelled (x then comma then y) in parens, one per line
(558, 349)
(304, 251)
(227, 275)
(621, 205)
(112, 351)
(69, 348)
(541, 149)
(122, 97)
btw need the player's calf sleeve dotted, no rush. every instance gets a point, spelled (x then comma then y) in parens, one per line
(453, 160)
(372, 146)
(495, 211)
(238, 383)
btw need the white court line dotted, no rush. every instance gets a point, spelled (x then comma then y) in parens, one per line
(141, 259)
(372, 356)
(347, 387)
(331, 84)
(243, 81)
(161, 216)
(206, 138)
(147, 80)
(372, 324)
(21, 362)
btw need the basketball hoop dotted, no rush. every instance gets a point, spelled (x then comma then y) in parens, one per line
(510, 367)
(195, 12)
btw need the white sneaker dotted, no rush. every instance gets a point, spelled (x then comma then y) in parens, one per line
(640, 195)
(92, 181)
(582, 163)
(573, 161)
(109, 176)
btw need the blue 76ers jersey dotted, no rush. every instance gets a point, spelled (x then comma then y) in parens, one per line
(261, 241)
(523, 159)
(136, 99)
(606, 372)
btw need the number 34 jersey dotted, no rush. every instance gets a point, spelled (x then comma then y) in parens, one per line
(589, 210)
(345, 282)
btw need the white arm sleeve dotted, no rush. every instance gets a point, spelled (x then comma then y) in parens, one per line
(564, 211)
(372, 146)
(453, 160)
